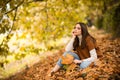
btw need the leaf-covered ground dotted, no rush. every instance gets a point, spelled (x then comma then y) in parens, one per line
(107, 68)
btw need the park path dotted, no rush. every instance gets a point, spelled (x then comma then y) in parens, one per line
(108, 68)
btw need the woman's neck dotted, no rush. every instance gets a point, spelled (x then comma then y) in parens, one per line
(80, 37)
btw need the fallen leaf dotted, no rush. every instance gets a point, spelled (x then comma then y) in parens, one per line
(70, 68)
(68, 59)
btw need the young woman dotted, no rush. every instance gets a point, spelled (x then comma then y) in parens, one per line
(82, 47)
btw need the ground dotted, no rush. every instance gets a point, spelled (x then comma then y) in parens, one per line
(107, 68)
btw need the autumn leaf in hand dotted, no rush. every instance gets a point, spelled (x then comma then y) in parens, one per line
(68, 59)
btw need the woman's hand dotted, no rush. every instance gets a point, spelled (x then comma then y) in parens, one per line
(73, 34)
(76, 61)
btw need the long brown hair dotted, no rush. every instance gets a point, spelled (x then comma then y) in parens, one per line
(85, 33)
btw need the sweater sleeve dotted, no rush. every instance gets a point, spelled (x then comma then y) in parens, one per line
(93, 56)
(69, 46)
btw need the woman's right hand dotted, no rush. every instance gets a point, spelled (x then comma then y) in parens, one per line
(73, 35)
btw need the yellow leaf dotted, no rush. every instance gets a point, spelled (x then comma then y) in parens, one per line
(68, 59)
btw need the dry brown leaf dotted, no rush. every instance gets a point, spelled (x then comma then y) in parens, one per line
(91, 78)
(68, 59)
(80, 78)
(71, 68)
(86, 70)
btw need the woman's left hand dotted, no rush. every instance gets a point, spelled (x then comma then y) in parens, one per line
(76, 61)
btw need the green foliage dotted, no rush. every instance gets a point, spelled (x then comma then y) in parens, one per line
(49, 21)
(108, 21)
(6, 25)
(4, 48)
(112, 21)
(84, 75)
(105, 14)
(65, 66)
(99, 22)
(19, 56)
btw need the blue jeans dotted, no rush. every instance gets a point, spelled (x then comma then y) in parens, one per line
(83, 65)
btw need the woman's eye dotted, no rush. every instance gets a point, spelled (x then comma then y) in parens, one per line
(78, 28)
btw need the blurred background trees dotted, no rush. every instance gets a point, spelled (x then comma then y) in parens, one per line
(34, 26)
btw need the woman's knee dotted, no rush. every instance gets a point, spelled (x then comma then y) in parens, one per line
(64, 54)
(71, 53)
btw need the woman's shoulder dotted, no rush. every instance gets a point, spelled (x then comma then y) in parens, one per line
(90, 41)
(89, 38)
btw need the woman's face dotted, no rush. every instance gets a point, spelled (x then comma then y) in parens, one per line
(77, 30)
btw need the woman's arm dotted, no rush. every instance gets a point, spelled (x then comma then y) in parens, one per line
(69, 46)
(91, 47)
(93, 56)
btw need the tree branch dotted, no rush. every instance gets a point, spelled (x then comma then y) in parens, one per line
(11, 26)
(5, 4)
(13, 22)
(14, 7)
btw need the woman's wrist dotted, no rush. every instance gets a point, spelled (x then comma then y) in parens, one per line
(80, 61)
